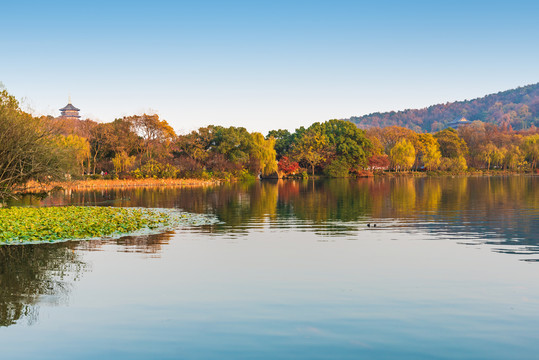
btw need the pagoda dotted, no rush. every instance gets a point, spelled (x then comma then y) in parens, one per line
(69, 112)
(458, 123)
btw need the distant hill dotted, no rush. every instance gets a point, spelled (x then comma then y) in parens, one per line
(518, 108)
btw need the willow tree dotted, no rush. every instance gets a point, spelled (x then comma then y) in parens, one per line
(402, 155)
(487, 153)
(264, 152)
(27, 150)
(530, 146)
(513, 157)
(76, 150)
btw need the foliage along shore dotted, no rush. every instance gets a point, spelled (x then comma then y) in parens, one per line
(26, 225)
(142, 147)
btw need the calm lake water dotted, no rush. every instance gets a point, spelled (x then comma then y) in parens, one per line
(292, 272)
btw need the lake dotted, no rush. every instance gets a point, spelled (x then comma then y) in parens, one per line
(291, 271)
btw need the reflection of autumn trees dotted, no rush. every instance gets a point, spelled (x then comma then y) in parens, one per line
(447, 199)
(429, 194)
(32, 271)
(403, 196)
(319, 201)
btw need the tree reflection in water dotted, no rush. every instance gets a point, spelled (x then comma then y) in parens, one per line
(501, 211)
(30, 272)
(150, 245)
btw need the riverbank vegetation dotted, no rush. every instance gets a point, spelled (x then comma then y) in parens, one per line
(147, 147)
(23, 225)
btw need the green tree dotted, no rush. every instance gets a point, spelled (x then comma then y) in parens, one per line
(348, 141)
(233, 142)
(338, 168)
(196, 145)
(283, 141)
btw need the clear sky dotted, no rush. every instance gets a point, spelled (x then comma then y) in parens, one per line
(262, 64)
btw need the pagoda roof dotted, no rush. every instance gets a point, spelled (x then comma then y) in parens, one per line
(458, 122)
(69, 107)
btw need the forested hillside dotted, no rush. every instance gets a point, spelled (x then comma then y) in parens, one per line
(517, 108)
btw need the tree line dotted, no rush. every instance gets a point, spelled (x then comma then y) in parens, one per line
(145, 146)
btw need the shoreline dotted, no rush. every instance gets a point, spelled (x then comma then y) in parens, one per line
(33, 187)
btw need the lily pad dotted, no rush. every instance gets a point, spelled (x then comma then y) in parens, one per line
(30, 225)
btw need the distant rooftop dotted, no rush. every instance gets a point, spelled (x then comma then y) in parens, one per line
(458, 122)
(69, 107)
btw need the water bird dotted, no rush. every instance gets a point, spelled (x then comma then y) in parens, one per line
(369, 224)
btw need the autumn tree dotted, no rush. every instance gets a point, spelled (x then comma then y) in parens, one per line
(76, 151)
(451, 145)
(402, 155)
(429, 151)
(196, 145)
(27, 149)
(513, 157)
(157, 134)
(312, 147)
(102, 140)
(379, 162)
(487, 153)
(126, 138)
(122, 162)
(530, 146)
(391, 135)
(287, 166)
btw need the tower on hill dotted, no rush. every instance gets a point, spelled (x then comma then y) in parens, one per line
(69, 112)
(458, 123)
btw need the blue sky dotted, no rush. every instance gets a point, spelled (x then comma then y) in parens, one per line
(262, 64)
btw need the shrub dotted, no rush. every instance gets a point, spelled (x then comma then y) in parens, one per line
(155, 170)
(288, 167)
(338, 169)
(453, 164)
(245, 175)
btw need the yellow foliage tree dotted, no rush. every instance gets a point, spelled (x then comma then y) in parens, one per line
(402, 155)
(122, 162)
(264, 151)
